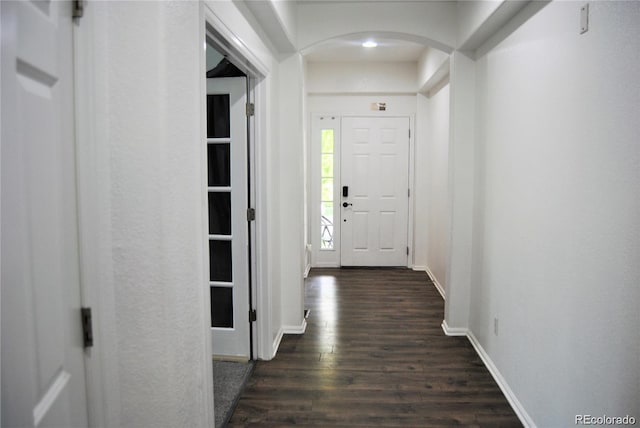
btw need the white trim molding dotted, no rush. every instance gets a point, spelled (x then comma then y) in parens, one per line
(515, 404)
(295, 329)
(287, 329)
(454, 331)
(518, 408)
(276, 344)
(437, 284)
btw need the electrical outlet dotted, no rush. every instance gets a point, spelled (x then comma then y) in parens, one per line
(495, 326)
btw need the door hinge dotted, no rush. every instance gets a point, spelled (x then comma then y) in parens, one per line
(407, 251)
(409, 192)
(251, 109)
(78, 8)
(87, 327)
(253, 315)
(409, 134)
(251, 214)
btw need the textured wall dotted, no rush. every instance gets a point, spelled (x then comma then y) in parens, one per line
(149, 94)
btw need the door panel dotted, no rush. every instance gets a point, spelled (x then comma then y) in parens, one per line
(375, 166)
(43, 379)
(228, 232)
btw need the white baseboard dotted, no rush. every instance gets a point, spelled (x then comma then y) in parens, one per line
(502, 383)
(295, 329)
(306, 270)
(307, 259)
(437, 284)
(453, 331)
(287, 329)
(276, 343)
(326, 265)
(419, 268)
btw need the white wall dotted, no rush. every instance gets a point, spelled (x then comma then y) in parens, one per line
(344, 105)
(433, 66)
(434, 172)
(148, 281)
(292, 254)
(557, 237)
(141, 171)
(462, 144)
(287, 13)
(357, 78)
(471, 15)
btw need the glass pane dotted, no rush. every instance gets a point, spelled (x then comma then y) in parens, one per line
(327, 210)
(327, 165)
(327, 141)
(220, 213)
(220, 261)
(326, 238)
(218, 164)
(222, 307)
(326, 220)
(218, 122)
(327, 189)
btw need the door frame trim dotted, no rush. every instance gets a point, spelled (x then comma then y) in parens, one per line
(214, 26)
(93, 178)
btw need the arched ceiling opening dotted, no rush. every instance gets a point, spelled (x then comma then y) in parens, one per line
(391, 47)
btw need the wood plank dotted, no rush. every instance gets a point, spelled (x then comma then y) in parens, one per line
(373, 354)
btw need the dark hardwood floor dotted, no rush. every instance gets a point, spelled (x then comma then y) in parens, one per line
(373, 355)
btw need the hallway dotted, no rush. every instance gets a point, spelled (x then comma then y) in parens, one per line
(373, 354)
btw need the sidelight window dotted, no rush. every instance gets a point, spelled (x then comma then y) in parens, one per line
(326, 191)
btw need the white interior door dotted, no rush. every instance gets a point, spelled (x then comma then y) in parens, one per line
(43, 381)
(375, 171)
(228, 230)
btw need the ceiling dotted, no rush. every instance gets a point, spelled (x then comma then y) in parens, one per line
(349, 49)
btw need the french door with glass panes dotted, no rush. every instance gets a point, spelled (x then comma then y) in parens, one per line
(228, 234)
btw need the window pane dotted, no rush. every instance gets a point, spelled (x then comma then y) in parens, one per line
(218, 123)
(327, 141)
(220, 213)
(327, 189)
(327, 165)
(222, 307)
(327, 210)
(220, 261)
(218, 164)
(326, 232)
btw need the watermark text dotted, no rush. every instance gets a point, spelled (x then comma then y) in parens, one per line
(604, 420)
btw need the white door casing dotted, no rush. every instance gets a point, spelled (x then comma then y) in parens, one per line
(43, 380)
(375, 167)
(232, 341)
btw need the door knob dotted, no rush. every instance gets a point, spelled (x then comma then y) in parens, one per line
(346, 204)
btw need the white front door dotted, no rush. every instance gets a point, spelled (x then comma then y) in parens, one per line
(43, 381)
(228, 234)
(374, 197)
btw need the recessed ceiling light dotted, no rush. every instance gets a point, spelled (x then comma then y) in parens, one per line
(369, 44)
